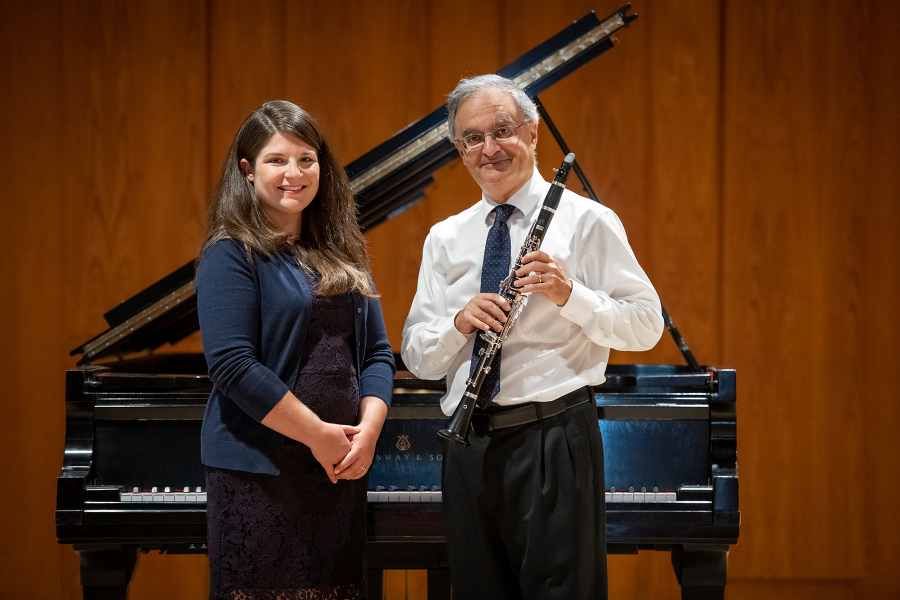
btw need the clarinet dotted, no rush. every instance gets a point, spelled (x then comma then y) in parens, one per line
(457, 428)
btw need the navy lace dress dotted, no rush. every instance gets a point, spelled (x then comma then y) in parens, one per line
(296, 535)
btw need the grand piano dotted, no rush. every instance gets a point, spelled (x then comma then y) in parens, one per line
(132, 481)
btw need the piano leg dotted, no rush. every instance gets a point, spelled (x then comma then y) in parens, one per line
(106, 571)
(438, 584)
(702, 571)
(376, 584)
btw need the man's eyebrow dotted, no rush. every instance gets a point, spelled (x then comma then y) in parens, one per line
(504, 120)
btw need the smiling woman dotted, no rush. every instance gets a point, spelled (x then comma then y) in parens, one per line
(301, 366)
(285, 178)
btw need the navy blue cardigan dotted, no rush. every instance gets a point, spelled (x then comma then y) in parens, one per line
(253, 320)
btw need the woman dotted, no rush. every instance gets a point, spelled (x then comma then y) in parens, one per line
(302, 369)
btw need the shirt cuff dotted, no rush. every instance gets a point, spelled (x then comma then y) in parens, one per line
(580, 306)
(450, 339)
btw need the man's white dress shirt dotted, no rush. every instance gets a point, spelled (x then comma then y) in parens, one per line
(551, 350)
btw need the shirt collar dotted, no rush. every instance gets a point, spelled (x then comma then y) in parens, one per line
(526, 199)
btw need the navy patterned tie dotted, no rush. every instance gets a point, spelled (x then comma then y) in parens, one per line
(493, 271)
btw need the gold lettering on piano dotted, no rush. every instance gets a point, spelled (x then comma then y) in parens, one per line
(402, 443)
(408, 457)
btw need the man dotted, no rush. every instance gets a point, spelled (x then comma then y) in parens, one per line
(525, 501)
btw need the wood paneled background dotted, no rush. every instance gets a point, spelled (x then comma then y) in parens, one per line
(751, 147)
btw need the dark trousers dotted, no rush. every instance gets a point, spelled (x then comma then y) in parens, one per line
(525, 510)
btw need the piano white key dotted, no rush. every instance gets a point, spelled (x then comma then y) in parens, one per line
(163, 494)
(655, 496)
(404, 496)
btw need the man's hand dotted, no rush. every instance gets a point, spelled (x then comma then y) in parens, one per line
(542, 274)
(484, 311)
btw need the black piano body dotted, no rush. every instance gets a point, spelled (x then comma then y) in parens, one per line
(132, 480)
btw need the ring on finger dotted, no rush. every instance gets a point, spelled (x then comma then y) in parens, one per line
(540, 278)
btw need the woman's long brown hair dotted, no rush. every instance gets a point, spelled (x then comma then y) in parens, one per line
(330, 241)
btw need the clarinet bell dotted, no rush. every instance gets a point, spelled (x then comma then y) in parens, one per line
(453, 436)
(457, 429)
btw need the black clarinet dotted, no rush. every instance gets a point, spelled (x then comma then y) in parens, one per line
(458, 425)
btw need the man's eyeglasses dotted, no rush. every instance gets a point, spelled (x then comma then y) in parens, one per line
(504, 134)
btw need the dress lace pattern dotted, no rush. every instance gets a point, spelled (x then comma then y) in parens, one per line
(296, 536)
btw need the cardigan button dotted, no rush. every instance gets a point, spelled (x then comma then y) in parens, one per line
(359, 310)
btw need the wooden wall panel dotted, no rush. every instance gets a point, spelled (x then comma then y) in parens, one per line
(681, 214)
(796, 150)
(873, 185)
(32, 197)
(135, 133)
(248, 48)
(135, 121)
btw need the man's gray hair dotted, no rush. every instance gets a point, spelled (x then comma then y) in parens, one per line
(467, 88)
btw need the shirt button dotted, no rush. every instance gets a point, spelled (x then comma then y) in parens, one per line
(359, 310)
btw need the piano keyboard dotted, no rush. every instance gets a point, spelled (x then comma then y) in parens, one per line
(630, 495)
(434, 495)
(408, 495)
(166, 495)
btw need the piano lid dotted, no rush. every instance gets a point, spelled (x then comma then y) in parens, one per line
(385, 181)
(393, 176)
